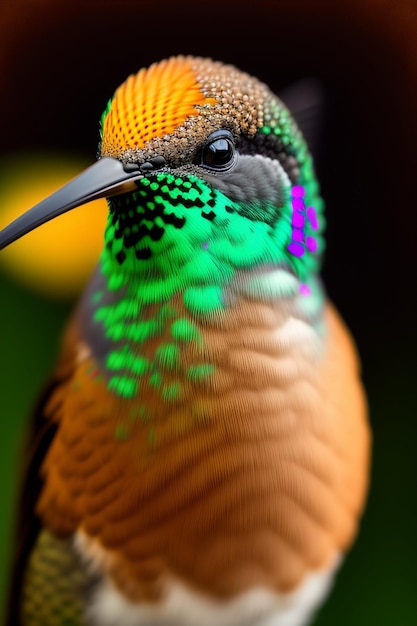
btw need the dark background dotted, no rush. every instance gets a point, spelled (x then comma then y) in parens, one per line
(59, 64)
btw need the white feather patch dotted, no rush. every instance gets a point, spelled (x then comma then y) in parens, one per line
(186, 607)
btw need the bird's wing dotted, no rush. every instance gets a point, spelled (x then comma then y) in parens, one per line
(41, 432)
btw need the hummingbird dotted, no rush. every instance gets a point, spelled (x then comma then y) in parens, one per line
(201, 454)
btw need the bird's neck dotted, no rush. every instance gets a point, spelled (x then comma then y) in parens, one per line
(141, 329)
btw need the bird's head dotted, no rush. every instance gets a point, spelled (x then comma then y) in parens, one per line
(206, 174)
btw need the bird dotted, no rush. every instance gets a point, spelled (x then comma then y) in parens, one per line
(201, 455)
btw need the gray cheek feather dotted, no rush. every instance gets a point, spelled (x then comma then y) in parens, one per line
(254, 179)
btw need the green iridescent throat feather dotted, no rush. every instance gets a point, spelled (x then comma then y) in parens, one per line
(178, 235)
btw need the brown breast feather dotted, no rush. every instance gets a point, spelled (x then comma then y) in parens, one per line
(253, 477)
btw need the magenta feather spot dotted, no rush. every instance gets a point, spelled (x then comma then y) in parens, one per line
(312, 217)
(298, 204)
(298, 191)
(297, 235)
(297, 249)
(305, 290)
(205, 245)
(297, 220)
(311, 243)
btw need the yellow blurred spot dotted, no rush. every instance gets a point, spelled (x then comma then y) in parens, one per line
(58, 257)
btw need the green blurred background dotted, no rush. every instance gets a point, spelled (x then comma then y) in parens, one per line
(58, 66)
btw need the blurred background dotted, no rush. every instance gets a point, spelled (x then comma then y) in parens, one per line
(59, 64)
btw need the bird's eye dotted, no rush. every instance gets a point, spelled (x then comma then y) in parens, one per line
(219, 151)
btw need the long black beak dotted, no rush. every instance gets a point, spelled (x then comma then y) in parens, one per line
(104, 179)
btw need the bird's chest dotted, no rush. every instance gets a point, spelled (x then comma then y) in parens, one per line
(196, 479)
(198, 402)
(170, 373)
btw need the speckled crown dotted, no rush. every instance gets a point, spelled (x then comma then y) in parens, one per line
(177, 98)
